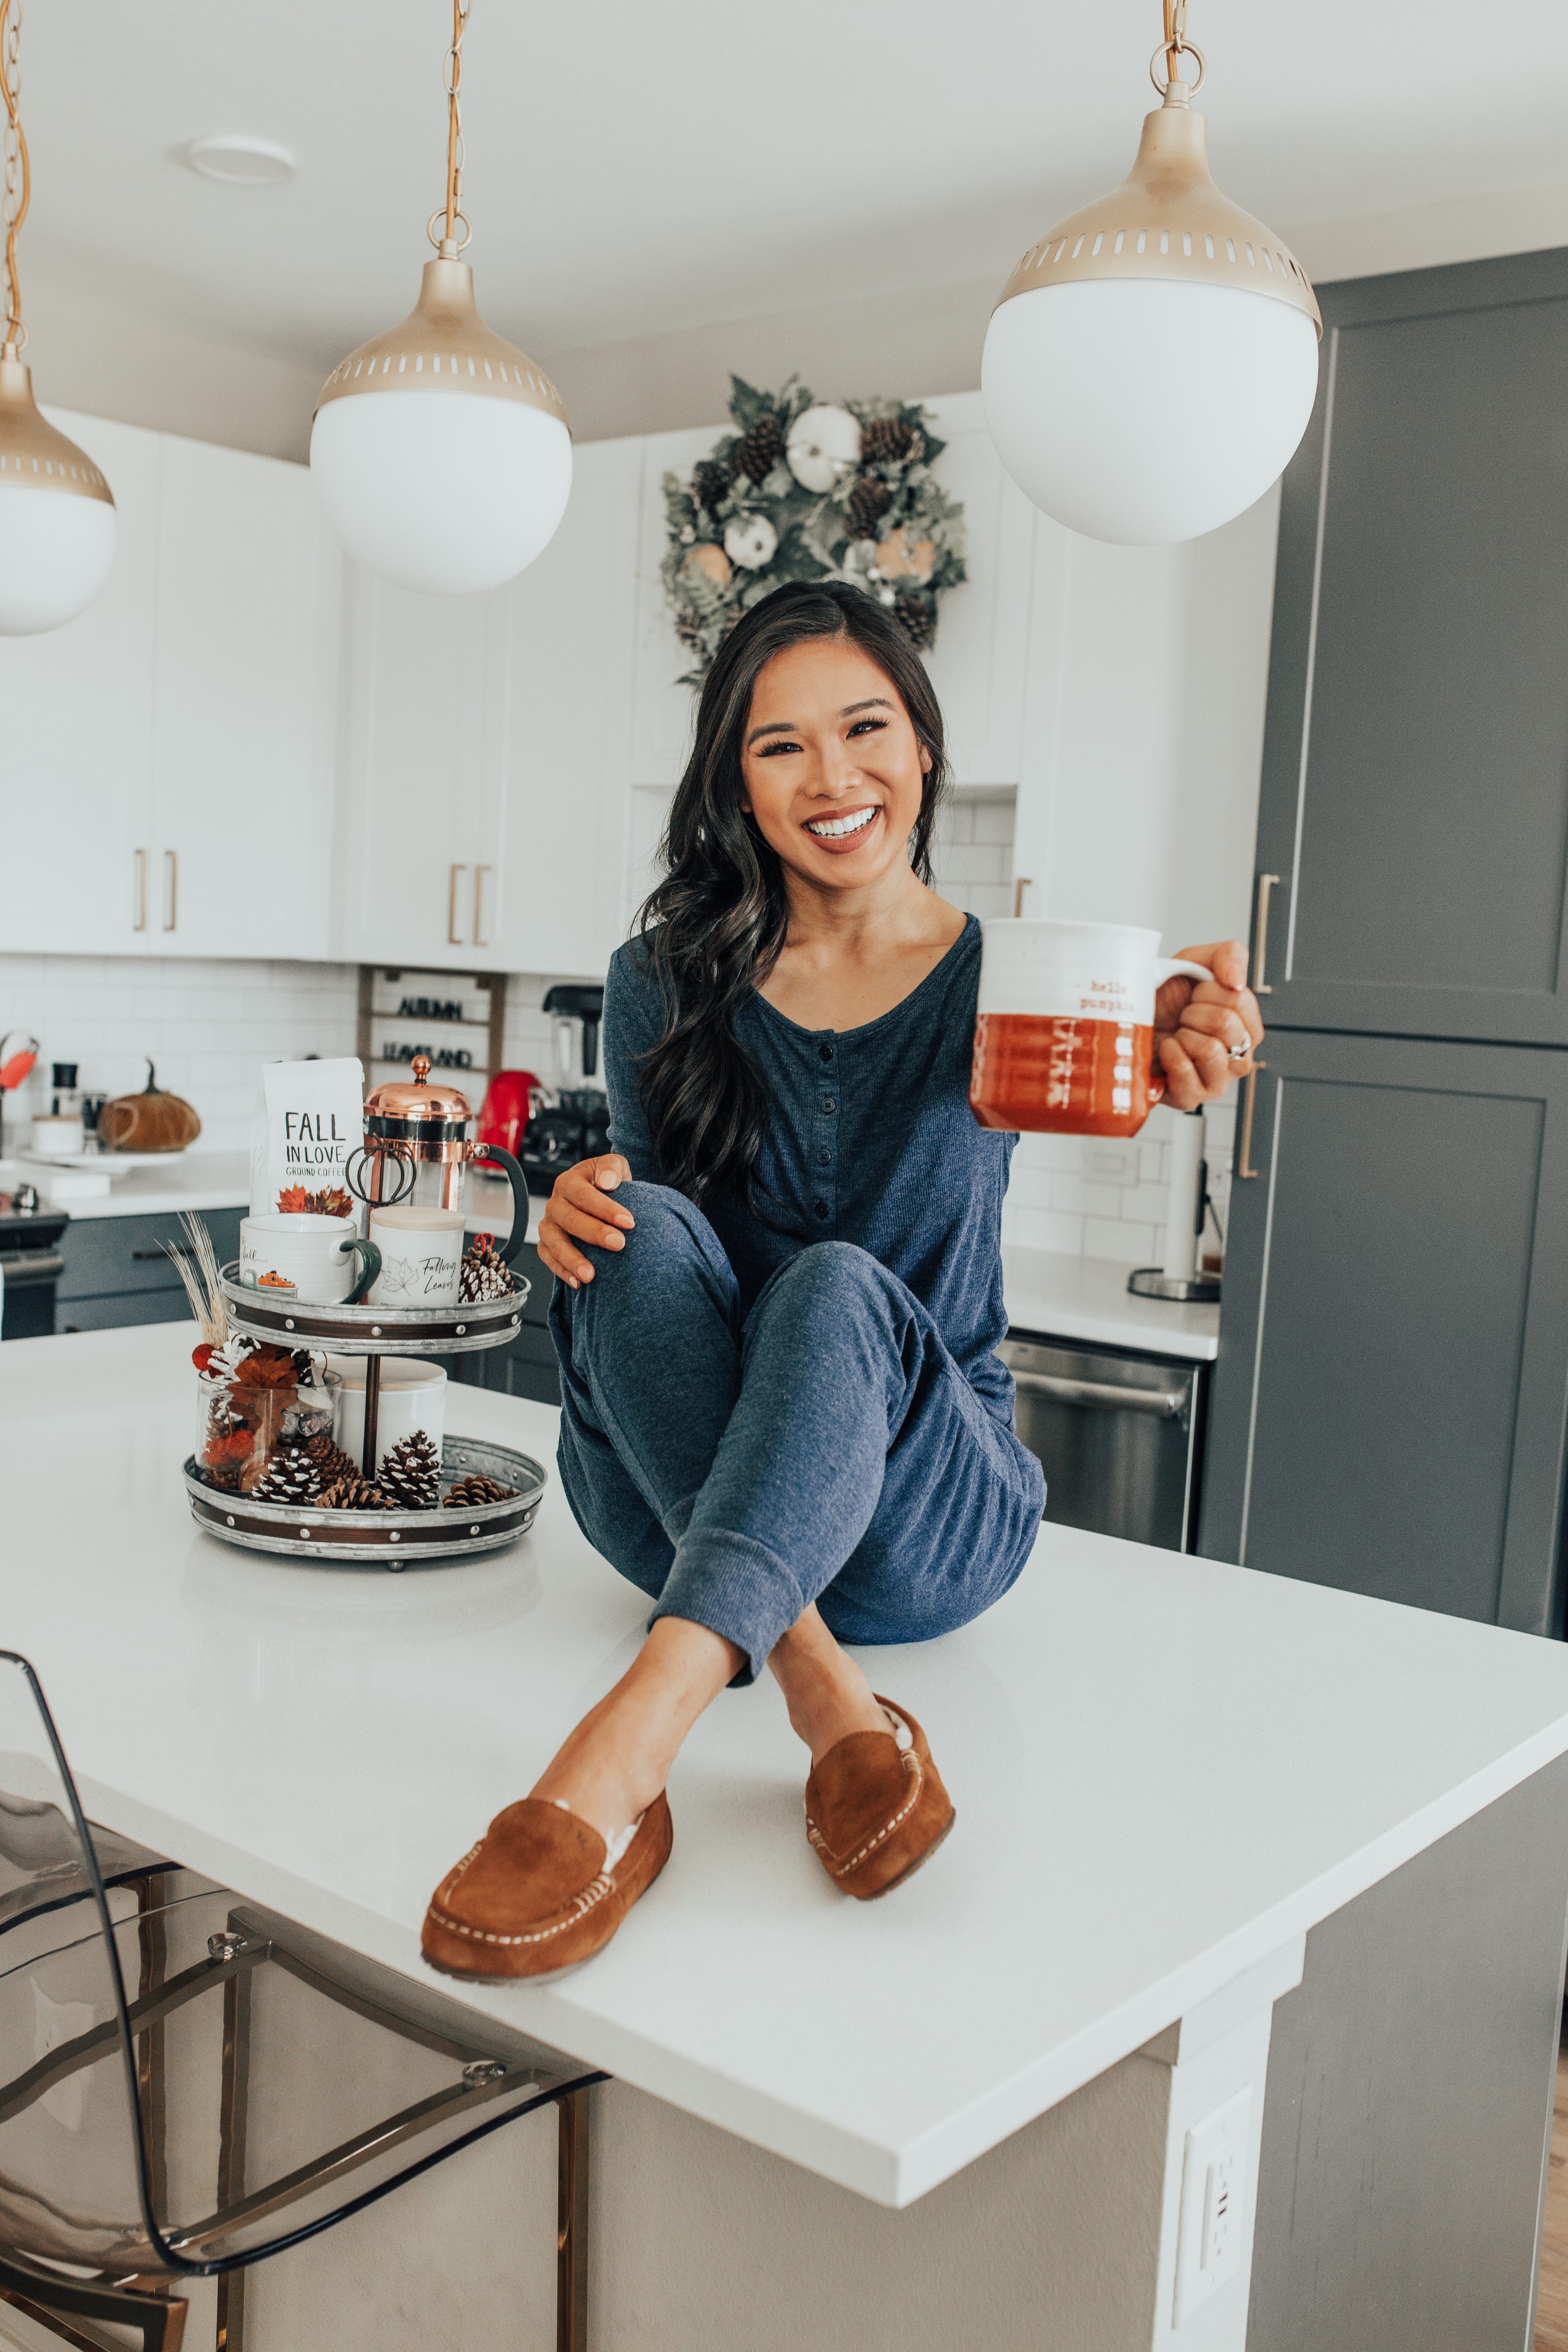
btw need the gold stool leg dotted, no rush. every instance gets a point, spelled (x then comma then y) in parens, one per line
(572, 2224)
(232, 2116)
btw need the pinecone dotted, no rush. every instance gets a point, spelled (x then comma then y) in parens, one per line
(918, 619)
(330, 1459)
(759, 448)
(865, 506)
(709, 484)
(482, 1274)
(888, 441)
(290, 1476)
(352, 1493)
(476, 1489)
(410, 1475)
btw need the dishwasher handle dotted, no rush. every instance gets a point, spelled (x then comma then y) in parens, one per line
(1104, 1396)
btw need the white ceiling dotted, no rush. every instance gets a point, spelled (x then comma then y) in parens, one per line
(636, 166)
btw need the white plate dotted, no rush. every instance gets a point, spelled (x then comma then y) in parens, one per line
(110, 1163)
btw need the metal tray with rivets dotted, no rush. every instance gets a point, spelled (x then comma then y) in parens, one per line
(374, 1331)
(392, 1539)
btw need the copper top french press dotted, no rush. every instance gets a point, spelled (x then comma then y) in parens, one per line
(419, 1144)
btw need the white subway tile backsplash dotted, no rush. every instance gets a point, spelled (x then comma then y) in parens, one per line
(1124, 1244)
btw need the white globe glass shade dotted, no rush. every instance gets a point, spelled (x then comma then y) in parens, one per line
(56, 552)
(443, 491)
(1141, 410)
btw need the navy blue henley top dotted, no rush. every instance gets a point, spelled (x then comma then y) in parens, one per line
(871, 1140)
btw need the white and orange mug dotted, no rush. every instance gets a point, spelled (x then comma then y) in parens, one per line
(1064, 1041)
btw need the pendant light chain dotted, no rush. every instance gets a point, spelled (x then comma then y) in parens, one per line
(17, 181)
(448, 244)
(1174, 48)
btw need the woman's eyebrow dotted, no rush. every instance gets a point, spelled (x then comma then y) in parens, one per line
(788, 727)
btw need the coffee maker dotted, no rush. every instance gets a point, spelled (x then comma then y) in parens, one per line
(572, 1122)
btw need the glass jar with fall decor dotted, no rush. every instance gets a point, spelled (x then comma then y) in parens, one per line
(257, 1407)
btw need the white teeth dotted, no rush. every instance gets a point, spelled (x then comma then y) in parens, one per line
(833, 828)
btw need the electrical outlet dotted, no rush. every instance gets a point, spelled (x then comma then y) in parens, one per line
(1212, 2228)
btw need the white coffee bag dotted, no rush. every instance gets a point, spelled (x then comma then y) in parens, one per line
(308, 1124)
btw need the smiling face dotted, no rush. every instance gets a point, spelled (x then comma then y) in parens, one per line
(831, 767)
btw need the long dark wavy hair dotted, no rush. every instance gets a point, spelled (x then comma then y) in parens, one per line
(714, 928)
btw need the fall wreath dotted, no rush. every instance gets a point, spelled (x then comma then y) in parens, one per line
(804, 491)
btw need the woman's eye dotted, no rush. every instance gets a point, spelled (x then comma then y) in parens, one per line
(772, 750)
(867, 726)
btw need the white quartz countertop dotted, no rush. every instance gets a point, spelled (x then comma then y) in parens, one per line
(196, 1180)
(1087, 1299)
(1164, 1770)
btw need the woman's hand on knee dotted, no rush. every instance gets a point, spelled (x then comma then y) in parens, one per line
(578, 1211)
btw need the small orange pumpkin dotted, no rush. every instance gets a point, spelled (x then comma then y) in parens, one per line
(150, 1121)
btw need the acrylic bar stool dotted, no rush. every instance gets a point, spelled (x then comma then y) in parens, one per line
(129, 2148)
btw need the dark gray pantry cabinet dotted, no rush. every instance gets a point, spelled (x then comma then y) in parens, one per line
(1390, 1401)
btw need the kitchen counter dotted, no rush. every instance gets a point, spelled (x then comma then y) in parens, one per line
(1087, 1299)
(196, 1180)
(1166, 1770)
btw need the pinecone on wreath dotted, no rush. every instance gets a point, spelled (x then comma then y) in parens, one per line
(888, 441)
(467, 1492)
(290, 1476)
(759, 448)
(709, 484)
(865, 506)
(410, 1475)
(917, 619)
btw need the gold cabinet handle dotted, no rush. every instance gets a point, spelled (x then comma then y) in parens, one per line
(479, 873)
(452, 937)
(139, 890)
(1025, 882)
(1245, 1168)
(1266, 883)
(171, 888)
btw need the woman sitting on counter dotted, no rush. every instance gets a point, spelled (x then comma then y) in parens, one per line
(783, 1414)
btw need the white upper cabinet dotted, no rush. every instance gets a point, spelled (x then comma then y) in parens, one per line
(979, 664)
(419, 821)
(570, 629)
(75, 737)
(245, 707)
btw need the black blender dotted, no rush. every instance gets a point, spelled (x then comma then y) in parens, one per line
(573, 1124)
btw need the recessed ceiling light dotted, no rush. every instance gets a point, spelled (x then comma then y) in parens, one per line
(243, 162)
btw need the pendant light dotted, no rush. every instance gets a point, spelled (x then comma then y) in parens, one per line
(1153, 361)
(440, 451)
(58, 527)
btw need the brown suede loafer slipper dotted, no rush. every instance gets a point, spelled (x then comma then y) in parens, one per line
(538, 1896)
(875, 1807)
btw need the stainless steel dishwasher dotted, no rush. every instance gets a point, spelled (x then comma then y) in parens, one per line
(1118, 1436)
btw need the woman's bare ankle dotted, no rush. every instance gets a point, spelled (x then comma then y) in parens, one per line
(827, 1693)
(609, 1769)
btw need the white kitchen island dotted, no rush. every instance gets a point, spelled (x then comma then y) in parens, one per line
(1177, 1782)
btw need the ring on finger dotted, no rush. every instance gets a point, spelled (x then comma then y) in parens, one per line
(1239, 1053)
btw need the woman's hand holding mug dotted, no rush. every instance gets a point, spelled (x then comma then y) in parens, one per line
(578, 1211)
(1206, 1031)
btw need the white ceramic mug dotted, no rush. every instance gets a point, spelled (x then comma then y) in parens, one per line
(1064, 1038)
(55, 1136)
(413, 1396)
(323, 1257)
(421, 1257)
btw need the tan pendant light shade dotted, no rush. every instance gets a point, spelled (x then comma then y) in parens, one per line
(443, 345)
(441, 453)
(58, 528)
(1151, 362)
(1167, 220)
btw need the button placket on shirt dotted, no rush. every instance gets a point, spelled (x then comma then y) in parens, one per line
(825, 1139)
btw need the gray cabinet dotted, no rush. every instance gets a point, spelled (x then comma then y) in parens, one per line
(1415, 793)
(1389, 1403)
(117, 1270)
(526, 1366)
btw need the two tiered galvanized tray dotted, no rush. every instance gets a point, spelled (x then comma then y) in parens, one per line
(388, 1540)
